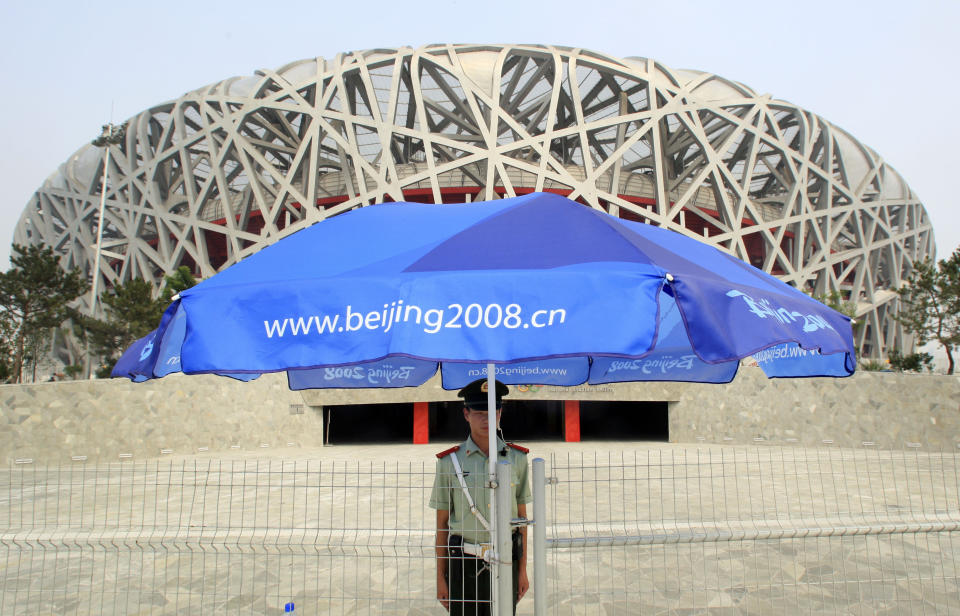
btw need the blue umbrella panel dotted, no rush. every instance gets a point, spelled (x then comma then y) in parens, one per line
(550, 291)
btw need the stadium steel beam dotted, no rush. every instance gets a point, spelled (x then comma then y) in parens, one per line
(218, 173)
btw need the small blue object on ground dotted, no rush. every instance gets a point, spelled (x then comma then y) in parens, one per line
(288, 608)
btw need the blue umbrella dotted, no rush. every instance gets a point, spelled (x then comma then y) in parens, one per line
(547, 290)
(533, 289)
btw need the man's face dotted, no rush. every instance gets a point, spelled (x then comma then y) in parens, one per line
(479, 424)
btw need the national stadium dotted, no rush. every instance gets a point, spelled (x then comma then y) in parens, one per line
(222, 171)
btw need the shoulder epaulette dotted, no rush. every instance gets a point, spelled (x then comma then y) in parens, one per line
(447, 452)
(518, 447)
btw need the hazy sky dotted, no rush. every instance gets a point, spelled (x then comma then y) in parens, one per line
(884, 71)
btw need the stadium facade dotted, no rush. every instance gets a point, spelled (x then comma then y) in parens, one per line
(215, 175)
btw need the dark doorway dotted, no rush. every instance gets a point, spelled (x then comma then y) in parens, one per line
(522, 420)
(532, 420)
(349, 424)
(624, 421)
(446, 422)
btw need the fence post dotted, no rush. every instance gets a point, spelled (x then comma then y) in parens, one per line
(504, 560)
(539, 538)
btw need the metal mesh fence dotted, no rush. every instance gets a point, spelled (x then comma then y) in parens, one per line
(213, 536)
(665, 531)
(755, 530)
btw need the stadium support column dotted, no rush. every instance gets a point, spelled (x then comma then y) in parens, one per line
(571, 421)
(421, 423)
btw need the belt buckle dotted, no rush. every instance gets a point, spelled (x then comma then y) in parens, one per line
(484, 549)
(486, 552)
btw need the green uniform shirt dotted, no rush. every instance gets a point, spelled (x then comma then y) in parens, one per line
(448, 495)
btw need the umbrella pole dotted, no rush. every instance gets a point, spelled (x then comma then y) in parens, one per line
(492, 423)
(495, 530)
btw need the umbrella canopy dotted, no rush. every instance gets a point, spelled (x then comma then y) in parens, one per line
(549, 290)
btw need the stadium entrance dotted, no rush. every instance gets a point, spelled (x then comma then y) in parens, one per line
(522, 420)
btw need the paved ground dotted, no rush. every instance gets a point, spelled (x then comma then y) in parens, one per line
(651, 528)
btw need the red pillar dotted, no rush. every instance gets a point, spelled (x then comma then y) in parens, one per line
(571, 421)
(421, 423)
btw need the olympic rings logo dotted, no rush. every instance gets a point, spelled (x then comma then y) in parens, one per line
(526, 388)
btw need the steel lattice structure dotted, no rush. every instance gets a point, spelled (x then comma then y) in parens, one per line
(218, 173)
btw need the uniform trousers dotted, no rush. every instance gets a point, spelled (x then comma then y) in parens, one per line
(468, 579)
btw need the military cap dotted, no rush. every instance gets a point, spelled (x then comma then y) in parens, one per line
(475, 394)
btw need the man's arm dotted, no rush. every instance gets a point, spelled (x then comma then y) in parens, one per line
(440, 547)
(523, 583)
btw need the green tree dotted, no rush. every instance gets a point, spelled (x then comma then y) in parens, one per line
(6, 348)
(872, 365)
(36, 348)
(835, 299)
(930, 303)
(34, 297)
(179, 280)
(911, 362)
(131, 313)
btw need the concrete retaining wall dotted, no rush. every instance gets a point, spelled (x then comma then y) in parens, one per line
(888, 409)
(51, 422)
(885, 408)
(102, 419)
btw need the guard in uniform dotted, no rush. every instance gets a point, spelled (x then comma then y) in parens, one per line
(464, 546)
